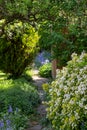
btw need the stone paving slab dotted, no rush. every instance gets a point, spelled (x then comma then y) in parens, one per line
(36, 127)
(41, 110)
(38, 81)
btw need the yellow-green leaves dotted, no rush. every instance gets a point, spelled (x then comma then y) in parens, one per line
(68, 96)
(18, 46)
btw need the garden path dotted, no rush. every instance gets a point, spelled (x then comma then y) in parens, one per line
(41, 110)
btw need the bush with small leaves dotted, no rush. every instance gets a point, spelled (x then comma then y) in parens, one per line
(45, 70)
(67, 107)
(17, 46)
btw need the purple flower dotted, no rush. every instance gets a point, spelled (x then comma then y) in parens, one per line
(1, 124)
(10, 109)
(8, 122)
(41, 57)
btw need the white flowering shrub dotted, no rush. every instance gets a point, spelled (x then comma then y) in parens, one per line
(67, 108)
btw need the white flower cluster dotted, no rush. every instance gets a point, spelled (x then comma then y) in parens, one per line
(67, 107)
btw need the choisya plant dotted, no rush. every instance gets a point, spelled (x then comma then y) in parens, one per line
(67, 107)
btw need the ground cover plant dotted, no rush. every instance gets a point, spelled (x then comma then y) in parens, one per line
(18, 93)
(67, 107)
(13, 120)
(18, 99)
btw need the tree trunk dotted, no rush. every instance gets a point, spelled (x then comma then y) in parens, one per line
(54, 67)
(54, 64)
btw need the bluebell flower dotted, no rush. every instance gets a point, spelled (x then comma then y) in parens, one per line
(46, 61)
(1, 124)
(42, 58)
(8, 122)
(10, 109)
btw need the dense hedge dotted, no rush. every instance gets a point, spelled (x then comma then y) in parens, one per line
(17, 46)
(67, 108)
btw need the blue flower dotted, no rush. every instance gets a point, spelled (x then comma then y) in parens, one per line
(42, 58)
(10, 109)
(1, 124)
(8, 122)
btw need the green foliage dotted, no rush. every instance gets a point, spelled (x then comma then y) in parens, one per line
(15, 9)
(67, 107)
(18, 45)
(14, 120)
(62, 23)
(28, 73)
(64, 30)
(18, 93)
(45, 70)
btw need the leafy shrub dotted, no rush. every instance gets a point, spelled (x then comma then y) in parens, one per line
(13, 120)
(45, 70)
(67, 107)
(27, 74)
(18, 93)
(17, 47)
